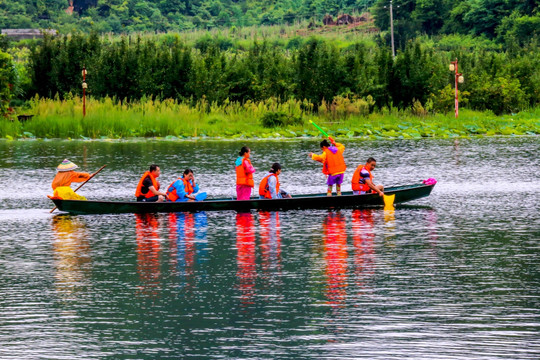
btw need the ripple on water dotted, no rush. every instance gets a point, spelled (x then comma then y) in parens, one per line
(452, 276)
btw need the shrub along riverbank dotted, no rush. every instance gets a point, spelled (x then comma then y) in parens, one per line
(110, 119)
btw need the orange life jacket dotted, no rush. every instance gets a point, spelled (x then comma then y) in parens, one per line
(356, 185)
(335, 163)
(155, 184)
(243, 178)
(171, 191)
(264, 189)
(325, 169)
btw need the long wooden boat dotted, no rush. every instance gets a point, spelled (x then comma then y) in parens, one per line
(312, 201)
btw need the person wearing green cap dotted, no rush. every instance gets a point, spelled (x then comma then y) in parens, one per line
(64, 177)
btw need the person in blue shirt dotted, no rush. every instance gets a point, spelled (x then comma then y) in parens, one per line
(183, 188)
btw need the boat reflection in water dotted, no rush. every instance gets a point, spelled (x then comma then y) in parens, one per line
(71, 254)
(348, 269)
(245, 256)
(187, 234)
(148, 253)
(363, 233)
(390, 227)
(187, 247)
(270, 244)
(335, 256)
(433, 237)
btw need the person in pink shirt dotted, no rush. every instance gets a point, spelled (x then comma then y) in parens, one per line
(244, 175)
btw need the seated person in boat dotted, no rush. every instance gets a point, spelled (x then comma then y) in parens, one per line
(183, 188)
(148, 187)
(64, 177)
(362, 181)
(333, 164)
(269, 186)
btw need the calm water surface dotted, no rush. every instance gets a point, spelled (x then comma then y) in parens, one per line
(452, 276)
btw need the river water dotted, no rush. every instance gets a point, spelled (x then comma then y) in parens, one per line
(451, 276)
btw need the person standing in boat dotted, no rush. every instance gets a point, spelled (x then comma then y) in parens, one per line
(269, 186)
(244, 174)
(64, 177)
(362, 181)
(148, 187)
(333, 163)
(183, 188)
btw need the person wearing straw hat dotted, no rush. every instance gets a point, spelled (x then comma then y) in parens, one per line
(64, 177)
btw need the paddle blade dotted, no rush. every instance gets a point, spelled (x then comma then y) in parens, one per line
(389, 201)
(200, 196)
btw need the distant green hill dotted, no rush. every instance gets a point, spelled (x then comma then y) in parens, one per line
(165, 15)
(518, 19)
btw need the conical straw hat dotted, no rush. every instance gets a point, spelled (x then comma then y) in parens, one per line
(66, 165)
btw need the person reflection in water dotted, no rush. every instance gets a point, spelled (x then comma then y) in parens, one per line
(245, 258)
(190, 245)
(335, 256)
(71, 253)
(363, 239)
(148, 250)
(270, 242)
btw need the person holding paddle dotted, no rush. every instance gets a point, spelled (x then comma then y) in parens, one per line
(362, 181)
(244, 174)
(64, 177)
(333, 163)
(148, 187)
(183, 188)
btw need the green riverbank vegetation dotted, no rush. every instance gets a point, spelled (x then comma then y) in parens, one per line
(236, 84)
(111, 119)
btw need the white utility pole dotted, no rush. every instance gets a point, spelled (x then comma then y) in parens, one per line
(392, 30)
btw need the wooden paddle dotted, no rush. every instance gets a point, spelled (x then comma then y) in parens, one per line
(80, 186)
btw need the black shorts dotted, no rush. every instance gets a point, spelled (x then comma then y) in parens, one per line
(151, 199)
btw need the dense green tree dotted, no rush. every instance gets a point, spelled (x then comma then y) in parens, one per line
(8, 78)
(516, 29)
(217, 70)
(318, 72)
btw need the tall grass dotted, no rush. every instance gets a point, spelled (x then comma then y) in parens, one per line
(243, 37)
(113, 118)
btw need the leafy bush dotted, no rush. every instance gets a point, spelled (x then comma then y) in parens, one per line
(444, 101)
(279, 119)
(503, 94)
(342, 107)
